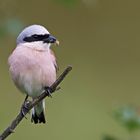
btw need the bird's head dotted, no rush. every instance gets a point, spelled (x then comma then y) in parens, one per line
(36, 34)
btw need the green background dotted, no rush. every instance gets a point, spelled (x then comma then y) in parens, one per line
(101, 40)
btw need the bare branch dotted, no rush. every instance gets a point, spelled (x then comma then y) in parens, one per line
(28, 105)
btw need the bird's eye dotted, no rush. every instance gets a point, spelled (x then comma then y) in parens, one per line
(35, 36)
(46, 35)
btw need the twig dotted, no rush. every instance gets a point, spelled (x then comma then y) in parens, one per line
(28, 105)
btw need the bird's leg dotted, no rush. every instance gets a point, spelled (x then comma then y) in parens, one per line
(26, 98)
(48, 91)
(25, 106)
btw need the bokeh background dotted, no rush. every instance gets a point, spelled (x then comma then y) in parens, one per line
(101, 40)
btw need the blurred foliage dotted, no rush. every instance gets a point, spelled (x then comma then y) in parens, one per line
(129, 117)
(67, 2)
(10, 27)
(71, 3)
(14, 26)
(108, 137)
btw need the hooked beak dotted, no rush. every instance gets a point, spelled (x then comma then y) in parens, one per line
(57, 42)
(51, 39)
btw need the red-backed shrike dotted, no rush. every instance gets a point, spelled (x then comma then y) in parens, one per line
(33, 65)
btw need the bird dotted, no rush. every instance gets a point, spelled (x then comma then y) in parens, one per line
(33, 66)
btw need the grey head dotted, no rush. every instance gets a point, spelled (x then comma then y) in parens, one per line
(35, 33)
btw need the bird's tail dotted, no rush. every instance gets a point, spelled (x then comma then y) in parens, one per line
(38, 111)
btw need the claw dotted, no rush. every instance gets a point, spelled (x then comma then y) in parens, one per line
(48, 91)
(24, 107)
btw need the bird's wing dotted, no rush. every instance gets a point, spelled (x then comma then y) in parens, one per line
(54, 60)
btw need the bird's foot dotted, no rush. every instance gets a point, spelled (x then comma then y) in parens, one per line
(25, 107)
(48, 91)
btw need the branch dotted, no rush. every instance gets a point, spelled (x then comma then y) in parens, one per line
(28, 105)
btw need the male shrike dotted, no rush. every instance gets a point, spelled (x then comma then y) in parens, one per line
(32, 65)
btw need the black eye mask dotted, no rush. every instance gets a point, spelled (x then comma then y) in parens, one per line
(36, 37)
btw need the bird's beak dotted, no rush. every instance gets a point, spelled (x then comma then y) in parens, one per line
(57, 42)
(51, 39)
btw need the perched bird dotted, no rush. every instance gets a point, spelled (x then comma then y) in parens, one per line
(32, 65)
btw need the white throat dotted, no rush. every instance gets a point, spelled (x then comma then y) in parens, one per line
(39, 46)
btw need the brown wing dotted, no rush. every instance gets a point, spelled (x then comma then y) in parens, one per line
(54, 60)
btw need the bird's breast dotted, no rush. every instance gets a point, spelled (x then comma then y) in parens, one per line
(31, 70)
